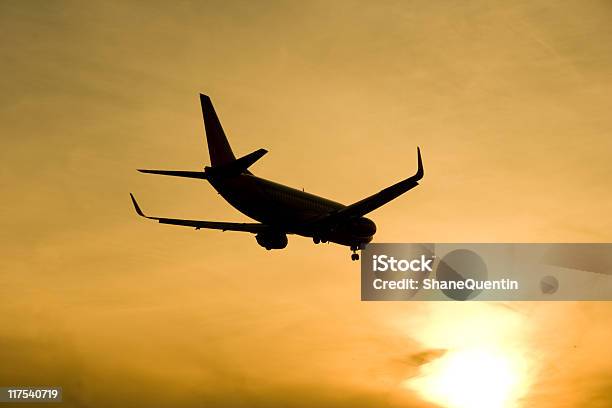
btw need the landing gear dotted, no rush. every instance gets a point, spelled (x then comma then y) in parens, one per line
(318, 240)
(354, 255)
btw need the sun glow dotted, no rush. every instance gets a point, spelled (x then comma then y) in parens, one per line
(485, 364)
(475, 378)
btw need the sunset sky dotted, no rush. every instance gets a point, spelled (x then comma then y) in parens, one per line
(510, 103)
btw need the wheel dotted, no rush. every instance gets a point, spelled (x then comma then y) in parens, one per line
(316, 240)
(355, 257)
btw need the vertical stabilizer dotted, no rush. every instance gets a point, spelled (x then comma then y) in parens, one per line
(218, 146)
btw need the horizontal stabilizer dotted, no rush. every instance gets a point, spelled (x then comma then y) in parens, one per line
(247, 161)
(253, 228)
(242, 164)
(177, 173)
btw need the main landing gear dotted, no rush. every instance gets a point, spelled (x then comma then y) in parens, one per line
(354, 255)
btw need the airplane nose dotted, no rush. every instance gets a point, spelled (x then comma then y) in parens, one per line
(366, 227)
(371, 227)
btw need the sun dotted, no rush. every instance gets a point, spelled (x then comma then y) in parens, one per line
(471, 378)
(486, 364)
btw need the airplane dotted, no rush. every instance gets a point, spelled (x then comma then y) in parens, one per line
(280, 210)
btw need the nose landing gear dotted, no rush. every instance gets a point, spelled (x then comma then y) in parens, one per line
(354, 255)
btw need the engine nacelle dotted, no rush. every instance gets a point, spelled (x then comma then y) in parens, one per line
(272, 240)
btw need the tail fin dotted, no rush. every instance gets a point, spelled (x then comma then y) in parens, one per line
(218, 146)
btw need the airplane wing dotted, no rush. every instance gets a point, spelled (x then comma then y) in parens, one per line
(369, 204)
(253, 228)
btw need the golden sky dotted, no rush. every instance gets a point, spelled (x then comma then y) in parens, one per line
(509, 101)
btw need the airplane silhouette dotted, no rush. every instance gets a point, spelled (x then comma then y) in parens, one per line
(280, 210)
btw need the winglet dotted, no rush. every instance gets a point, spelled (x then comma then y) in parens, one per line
(420, 172)
(136, 207)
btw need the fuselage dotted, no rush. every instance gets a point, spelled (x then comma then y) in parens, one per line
(292, 211)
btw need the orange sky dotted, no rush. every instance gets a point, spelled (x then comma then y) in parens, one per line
(510, 103)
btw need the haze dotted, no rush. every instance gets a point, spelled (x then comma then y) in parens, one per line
(509, 101)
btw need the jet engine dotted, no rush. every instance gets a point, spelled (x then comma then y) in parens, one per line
(272, 240)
